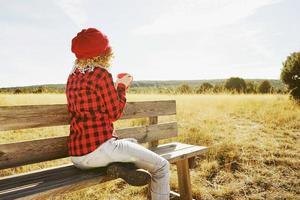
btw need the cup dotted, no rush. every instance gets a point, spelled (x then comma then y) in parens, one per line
(121, 75)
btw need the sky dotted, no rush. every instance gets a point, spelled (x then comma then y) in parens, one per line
(151, 39)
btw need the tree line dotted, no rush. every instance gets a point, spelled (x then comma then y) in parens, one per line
(232, 85)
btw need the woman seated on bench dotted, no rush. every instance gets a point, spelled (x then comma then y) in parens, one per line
(94, 103)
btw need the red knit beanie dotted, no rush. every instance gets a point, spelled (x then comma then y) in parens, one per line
(89, 43)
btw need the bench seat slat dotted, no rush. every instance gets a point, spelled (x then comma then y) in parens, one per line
(21, 153)
(57, 180)
(177, 151)
(33, 116)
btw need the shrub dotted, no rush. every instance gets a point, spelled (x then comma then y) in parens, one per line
(264, 87)
(235, 84)
(218, 89)
(41, 89)
(295, 93)
(18, 91)
(204, 87)
(251, 87)
(184, 89)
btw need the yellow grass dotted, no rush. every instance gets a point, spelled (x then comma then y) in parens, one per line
(253, 141)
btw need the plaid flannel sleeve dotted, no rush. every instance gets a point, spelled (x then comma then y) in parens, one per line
(114, 99)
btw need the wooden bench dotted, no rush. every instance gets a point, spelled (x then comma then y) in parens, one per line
(61, 179)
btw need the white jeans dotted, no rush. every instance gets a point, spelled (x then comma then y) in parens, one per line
(128, 150)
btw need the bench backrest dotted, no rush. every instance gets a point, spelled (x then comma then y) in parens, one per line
(35, 116)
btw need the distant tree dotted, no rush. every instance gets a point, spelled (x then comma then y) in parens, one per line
(290, 74)
(251, 87)
(235, 84)
(264, 87)
(18, 91)
(184, 89)
(204, 87)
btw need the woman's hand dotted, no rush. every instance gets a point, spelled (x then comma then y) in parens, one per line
(114, 133)
(126, 80)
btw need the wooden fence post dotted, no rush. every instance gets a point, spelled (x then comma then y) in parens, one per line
(153, 120)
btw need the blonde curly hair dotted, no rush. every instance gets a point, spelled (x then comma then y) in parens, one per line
(103, 60)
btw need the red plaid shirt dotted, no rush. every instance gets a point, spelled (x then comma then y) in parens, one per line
(93, 104)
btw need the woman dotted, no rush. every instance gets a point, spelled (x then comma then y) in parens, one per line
(94, 103)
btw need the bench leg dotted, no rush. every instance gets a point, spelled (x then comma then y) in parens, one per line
(184, 180)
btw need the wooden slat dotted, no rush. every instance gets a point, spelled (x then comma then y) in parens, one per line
(58, 180)
(175, 151)
(21, 153)
(32, 116)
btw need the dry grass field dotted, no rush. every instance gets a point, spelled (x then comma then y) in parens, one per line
(253, 140)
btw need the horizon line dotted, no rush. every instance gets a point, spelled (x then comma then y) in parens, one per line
(152, 80)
